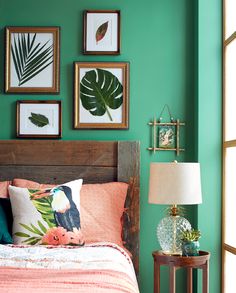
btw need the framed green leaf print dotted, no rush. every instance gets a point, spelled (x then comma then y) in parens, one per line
(32, 60)
(101, 95)
(38, 119)
(102, 32)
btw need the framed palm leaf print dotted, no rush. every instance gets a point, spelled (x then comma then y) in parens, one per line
(101, 95)
(32, 60)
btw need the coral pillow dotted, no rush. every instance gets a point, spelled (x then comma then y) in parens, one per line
(47, 216)
(4, 188)
(24, 183)
(101, 207)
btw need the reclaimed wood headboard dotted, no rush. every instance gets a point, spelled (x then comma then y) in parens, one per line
(57, 161)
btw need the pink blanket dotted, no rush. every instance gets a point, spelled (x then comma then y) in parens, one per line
(47, 281)
(99, 268)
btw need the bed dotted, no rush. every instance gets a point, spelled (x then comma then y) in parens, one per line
(101, 266)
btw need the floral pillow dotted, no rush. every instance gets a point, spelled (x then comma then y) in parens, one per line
(47, 216)
(101, 207)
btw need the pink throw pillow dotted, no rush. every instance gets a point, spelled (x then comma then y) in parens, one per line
(4, 189)
(101, 208)
(23, 183)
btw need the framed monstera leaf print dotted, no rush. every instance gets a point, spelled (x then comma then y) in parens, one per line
(32, 60)
(102, 32)
(101, 95)
(38, 119)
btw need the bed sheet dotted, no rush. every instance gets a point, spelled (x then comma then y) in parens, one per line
(94, 268)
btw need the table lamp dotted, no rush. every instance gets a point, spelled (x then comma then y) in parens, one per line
(174, 184)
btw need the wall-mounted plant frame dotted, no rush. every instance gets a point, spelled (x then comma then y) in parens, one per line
(102, 32)
(32, 60)
(101, 95)
(38, 119)
(165, 136)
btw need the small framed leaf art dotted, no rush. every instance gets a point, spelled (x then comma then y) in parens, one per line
(101, 95)
(102, 32)
(38, 119)
(32, 60)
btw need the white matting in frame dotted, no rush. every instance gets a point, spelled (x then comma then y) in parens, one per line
(102, 32)
(39, 119)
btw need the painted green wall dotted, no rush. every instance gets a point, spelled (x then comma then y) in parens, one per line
(209, 141)
(160, 42)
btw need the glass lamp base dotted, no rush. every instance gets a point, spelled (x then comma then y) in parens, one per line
(169, 232)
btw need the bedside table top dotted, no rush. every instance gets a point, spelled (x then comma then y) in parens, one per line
(181, 261)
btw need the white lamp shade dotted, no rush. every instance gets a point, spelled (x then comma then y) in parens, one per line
(175, 183)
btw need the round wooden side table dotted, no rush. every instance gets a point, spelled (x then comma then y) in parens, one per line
(174, 262)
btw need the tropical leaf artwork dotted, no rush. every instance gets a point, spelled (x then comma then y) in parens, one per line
(38, 231)
(101, 31)
(100, 90)
(44, 207)
(49, 228)
(38, 119)
(30, 57)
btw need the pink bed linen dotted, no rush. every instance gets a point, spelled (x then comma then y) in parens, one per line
(91, 275)
(83, 281)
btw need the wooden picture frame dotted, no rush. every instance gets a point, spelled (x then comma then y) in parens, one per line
(102, 32)
(101, 95)
(32, 60)
(38, 119)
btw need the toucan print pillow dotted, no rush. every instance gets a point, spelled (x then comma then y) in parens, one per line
(47, 216)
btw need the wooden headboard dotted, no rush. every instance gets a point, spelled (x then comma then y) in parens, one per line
(54, 162)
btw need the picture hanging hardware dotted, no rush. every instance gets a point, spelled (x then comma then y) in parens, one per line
(168, 109)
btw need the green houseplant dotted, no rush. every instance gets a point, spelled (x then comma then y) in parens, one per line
(190, 244)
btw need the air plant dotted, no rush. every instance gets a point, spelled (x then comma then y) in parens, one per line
(190, 235)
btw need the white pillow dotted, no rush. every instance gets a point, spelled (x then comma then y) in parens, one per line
(47, 216)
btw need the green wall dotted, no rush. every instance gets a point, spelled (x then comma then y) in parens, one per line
(209, 92)
(160, 40)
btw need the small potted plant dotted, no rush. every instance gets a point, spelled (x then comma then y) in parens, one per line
(190, 244)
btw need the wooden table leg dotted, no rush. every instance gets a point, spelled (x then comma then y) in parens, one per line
(189, 280)
(156, 277)
(205, 276)
(172, 279)
(174, 263)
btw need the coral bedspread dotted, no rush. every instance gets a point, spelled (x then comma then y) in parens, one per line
(97, 268)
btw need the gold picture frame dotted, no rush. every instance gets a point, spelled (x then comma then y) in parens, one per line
(32, 60)
(101, 95)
